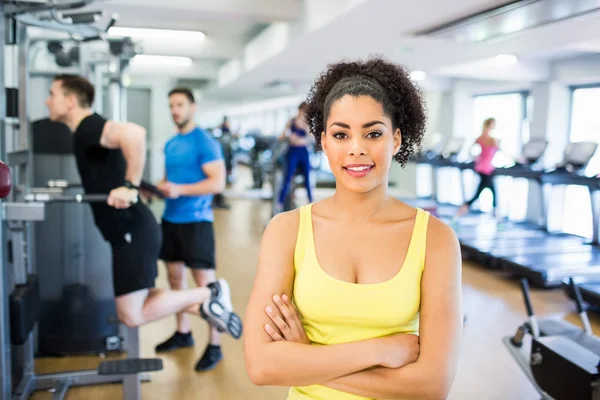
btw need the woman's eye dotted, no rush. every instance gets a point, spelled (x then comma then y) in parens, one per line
(339, 135)
(374, 134)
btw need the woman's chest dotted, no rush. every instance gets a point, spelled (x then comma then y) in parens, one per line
(363, 256)
(334, 311)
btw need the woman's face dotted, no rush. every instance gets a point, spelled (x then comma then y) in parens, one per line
(359, 143)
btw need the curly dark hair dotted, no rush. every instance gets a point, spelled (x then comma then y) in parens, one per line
(387, 83)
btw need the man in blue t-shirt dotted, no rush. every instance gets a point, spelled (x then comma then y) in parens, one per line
(194, 172)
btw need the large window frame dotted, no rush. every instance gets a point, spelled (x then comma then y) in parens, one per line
(525, 99)
(514, 210)
(577, 208)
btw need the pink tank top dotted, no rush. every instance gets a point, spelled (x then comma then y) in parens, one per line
(483, 164)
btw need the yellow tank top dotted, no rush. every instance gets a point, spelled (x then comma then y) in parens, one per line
(335, 311)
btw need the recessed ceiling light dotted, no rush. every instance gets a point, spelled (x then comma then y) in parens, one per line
(418, 75)
(506, 59)
(147, 59)
(405, 49)
(143, 33)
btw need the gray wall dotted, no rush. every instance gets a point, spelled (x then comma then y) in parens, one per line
(39, 87)
(138, 111)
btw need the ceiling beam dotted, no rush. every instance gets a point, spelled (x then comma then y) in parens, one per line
(258, 11)
(214, 49)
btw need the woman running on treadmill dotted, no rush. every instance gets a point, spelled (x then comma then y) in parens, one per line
(484, 167)
(296, 132)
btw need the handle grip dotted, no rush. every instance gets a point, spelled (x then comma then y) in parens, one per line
(78, 198)
(578, 298)
(526, 296)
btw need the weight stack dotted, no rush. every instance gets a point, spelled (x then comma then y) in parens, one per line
(72, 260)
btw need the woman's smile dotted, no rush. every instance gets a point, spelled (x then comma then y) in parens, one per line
(358, 170)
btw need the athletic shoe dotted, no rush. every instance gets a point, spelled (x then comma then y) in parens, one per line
(209, 360)
(177, 341)
(218, 310)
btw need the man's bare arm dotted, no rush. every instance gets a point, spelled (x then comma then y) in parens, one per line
(131, 139)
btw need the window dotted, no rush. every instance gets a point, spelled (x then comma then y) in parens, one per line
(510, 114)
(526, 127)
(511, 111)
(585, 125)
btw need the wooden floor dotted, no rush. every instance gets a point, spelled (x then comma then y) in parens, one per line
(492, 302)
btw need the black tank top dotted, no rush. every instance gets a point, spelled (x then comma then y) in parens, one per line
(102, 170)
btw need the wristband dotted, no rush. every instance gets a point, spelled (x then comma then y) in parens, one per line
(130, 185)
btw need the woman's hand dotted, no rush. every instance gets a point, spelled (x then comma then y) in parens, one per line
(286, 321)
(397, 350)
(394, 351)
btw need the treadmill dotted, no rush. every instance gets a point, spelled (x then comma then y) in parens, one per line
(478, 242)
(531, 170)
(449, 159)
(561, 256)
(430, 151)
(440, 155)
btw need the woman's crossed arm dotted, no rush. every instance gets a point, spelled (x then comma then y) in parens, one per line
(432, 375)
(440, 331)
(287, 363)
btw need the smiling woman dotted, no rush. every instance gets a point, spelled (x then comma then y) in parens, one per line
(358, 296)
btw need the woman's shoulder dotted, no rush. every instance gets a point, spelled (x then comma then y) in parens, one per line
(285, 222)
(281, 232)
(440, 236)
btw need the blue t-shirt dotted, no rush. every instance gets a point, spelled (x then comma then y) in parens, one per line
(184, 156)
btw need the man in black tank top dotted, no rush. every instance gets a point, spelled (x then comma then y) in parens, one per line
(110, 158)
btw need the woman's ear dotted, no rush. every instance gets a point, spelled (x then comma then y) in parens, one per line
(397, 141)
(323, 145)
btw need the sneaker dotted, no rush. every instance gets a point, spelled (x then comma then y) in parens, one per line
(209, 360)
(218, 311)
(177, 341)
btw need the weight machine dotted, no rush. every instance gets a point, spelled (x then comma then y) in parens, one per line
(19, 283)
(561, 360)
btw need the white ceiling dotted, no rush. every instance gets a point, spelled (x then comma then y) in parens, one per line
(227, 24)
(308, 34)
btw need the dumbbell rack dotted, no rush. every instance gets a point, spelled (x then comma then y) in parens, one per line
(127, 371)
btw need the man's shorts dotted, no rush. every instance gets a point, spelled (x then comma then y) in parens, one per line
(192, 243)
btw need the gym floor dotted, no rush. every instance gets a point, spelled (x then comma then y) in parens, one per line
(492, 302)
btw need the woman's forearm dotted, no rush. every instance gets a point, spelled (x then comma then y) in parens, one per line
(294, 364)
(413, 381)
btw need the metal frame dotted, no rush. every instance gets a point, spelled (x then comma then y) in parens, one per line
(5, 348)
(61, 382)
(522, 360)
(15, 220)
(24, 14)
(18, 215)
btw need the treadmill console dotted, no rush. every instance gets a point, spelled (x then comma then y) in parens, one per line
(453, 147)
(534, 150)
(433, 147)
(577, 155)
